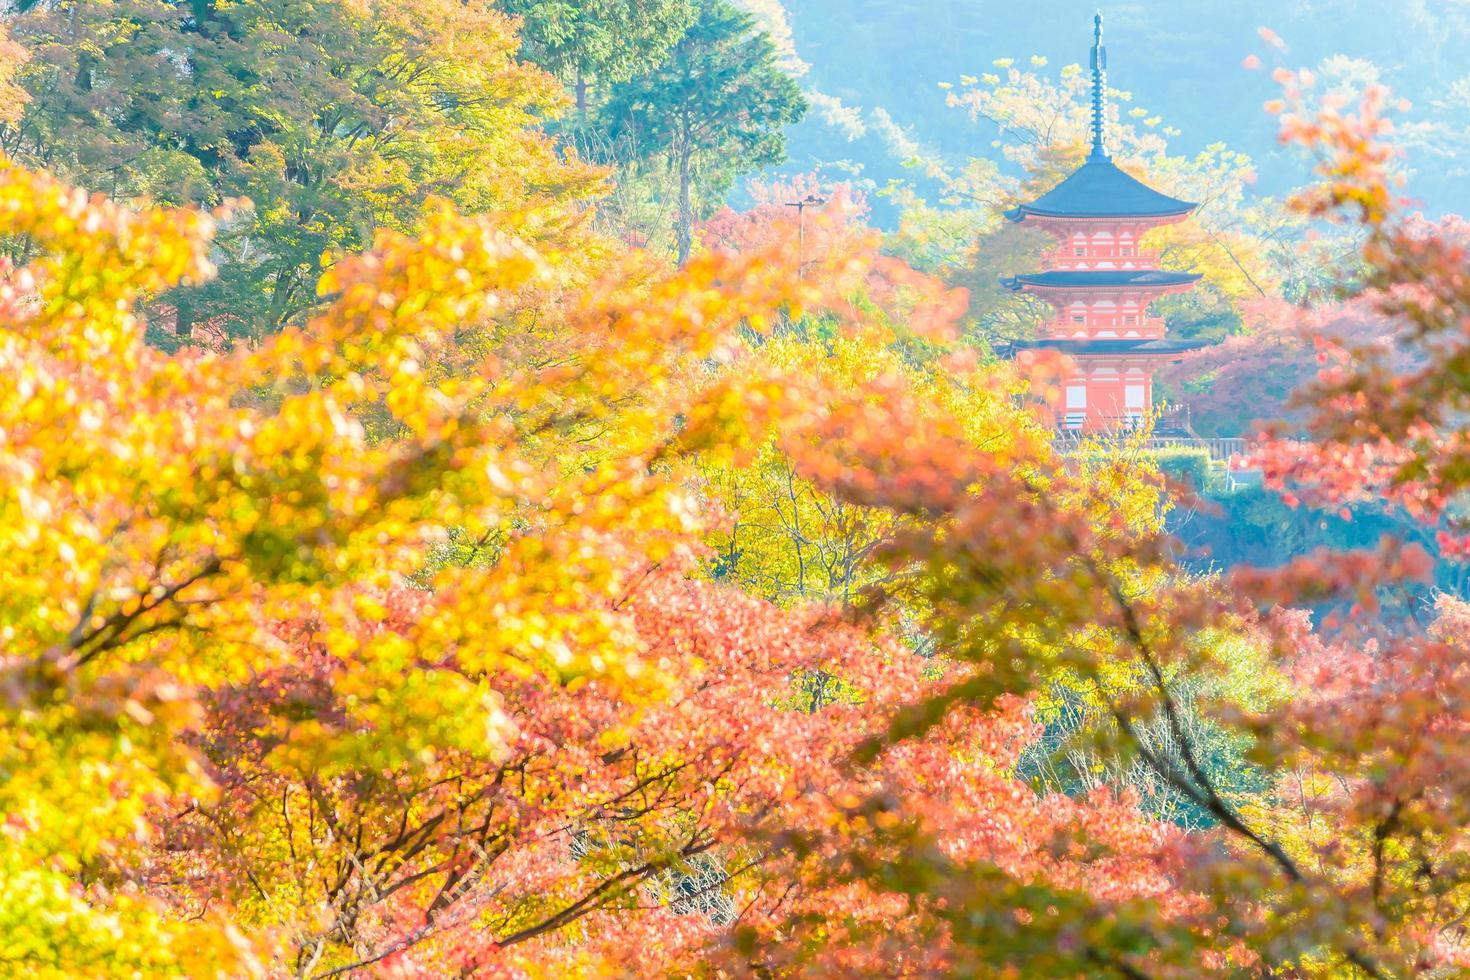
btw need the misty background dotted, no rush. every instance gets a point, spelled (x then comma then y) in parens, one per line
(873, 72)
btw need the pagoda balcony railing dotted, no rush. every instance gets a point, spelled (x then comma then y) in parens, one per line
(1171, 430)
(1062, 259)
(1063, 328)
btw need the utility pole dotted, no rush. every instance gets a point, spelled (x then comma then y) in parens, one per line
(811, 200)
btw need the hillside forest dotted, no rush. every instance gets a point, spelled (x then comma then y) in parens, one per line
(485, 493)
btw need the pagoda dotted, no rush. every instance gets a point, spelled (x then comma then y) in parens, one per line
(1101, 283)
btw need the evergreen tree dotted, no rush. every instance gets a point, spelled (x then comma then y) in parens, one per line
(587, 42)
(715, 109)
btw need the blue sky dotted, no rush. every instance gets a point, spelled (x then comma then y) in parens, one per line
(877, 64)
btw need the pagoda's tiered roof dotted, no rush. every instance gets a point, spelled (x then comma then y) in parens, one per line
(1105, 278)
(1111, 345)
(1099, 189)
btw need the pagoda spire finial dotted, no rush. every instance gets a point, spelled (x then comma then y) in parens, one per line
(1099, 91)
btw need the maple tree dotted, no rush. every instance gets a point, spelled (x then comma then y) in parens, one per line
(1382, 422)
(786, 539)
(169, 505)
(1352, 864)
(1254, 377)
(248, 740)
(526, 607)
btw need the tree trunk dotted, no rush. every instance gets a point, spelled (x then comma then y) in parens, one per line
(184, 315)
(85, 67)
(200, 9)
(581, 97)
(685, 227)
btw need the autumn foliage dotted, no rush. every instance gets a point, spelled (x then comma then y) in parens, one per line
(528, 607)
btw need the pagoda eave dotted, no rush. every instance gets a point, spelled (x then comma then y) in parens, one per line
(1112, 347)
(1101, 190)
(1102, 279)
(1025, 213)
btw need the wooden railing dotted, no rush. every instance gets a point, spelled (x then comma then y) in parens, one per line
(1224, 450)
(1064, 260)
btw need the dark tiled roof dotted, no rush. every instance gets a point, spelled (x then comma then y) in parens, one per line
(1100, 190)
(1111, 345)
(1102, 277)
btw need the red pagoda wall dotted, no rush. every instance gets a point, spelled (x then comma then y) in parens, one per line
(1105, 392)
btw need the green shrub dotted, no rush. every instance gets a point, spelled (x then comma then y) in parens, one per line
(1190, 465)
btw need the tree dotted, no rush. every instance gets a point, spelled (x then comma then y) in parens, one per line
(833, 221)
(604, 41)
(13, 98)
(316, 647)
(716, 108)
(172, 506)
(1253, 378)
(333, 117)
(786, 540)
(1352, 864)
(388, 643)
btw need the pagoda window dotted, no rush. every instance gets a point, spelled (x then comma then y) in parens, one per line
(1079, 250)
(1076, 397)
(1078, 318)
(1133, 397)
(1130, 321)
